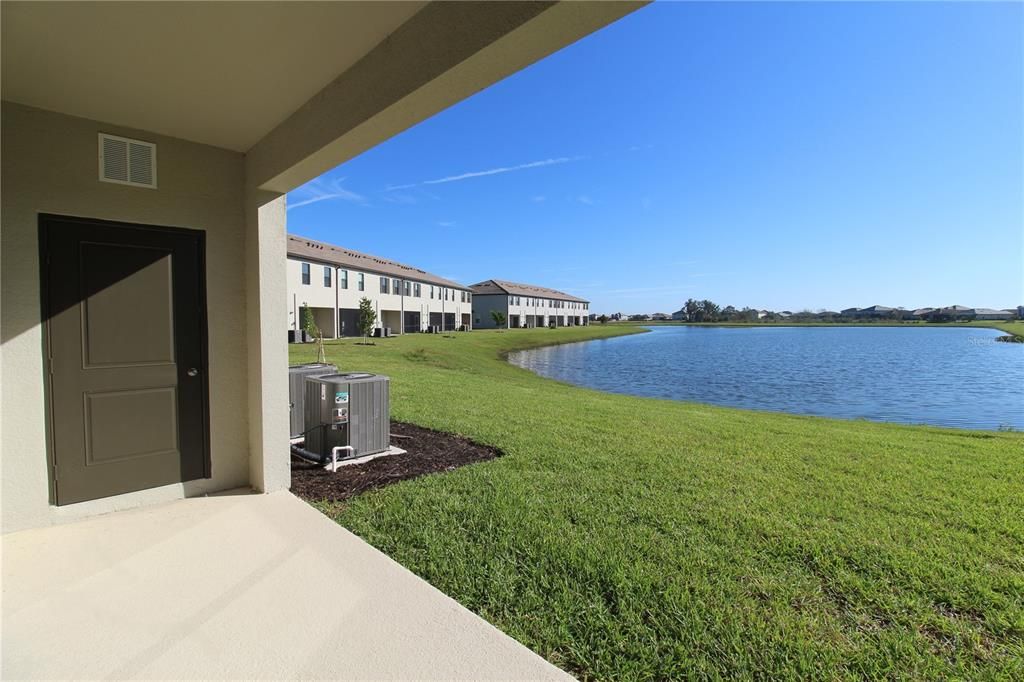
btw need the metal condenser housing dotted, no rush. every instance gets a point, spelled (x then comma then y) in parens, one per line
(350, 408)
(297, 392)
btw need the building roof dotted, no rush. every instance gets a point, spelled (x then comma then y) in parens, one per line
(877, 309)
(301, 247)
(500, 286)
(990, 311)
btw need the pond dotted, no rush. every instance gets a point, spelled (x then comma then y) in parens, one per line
(944, 376)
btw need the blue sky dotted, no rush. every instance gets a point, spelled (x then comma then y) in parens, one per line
(772, 155)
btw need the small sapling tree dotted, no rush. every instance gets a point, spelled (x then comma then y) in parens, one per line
(367, 317)
(498, 317)
(310, 327)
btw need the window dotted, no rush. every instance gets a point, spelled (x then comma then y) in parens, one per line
(361, 282)
(511, 300)
(305, 273)
(416, 290)
(327, 276)
(396, 286)
(408, 288)
(431, 291)
(343, 278)
(383, 285)
(445, 293)
(469, 297)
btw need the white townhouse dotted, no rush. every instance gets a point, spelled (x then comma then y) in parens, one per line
(331, 280)
(526, 305)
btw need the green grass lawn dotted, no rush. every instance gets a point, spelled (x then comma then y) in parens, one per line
(634, 538)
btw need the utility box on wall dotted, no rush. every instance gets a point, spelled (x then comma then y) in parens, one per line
(348, 409)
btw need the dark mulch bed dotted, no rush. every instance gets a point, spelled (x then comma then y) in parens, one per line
(428, 452)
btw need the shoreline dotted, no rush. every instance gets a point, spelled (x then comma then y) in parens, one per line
(1011, 327)
(641, 328)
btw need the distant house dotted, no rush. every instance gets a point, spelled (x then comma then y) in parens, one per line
(921, 313)
(990, 314)
(641, 317)
(949, 313)
(849, 312)
(662, 317)
(785, 314)
(875, 312)
(957, 312)
(679, 315)
(827, 313)
(761, 314)
(526, 305)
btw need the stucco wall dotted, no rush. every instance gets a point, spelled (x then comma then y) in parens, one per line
(50, 166)
(315, 294)
(483, 305)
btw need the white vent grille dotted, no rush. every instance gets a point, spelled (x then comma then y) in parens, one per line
(127, 162)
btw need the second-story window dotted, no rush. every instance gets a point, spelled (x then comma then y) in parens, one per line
(396, 286)
(305, 273)
(343, 278)
(431, 292)
(327, 276)
(361, 282)
(416, 290)
(383, 285)
(408, 288)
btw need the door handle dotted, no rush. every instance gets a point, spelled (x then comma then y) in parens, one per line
(192, 371)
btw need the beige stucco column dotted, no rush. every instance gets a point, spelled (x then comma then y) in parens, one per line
(266, 339)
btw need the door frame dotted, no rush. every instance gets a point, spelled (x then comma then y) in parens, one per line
(46, 221)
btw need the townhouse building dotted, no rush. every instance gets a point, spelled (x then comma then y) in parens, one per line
(331, 280)
(526, 305)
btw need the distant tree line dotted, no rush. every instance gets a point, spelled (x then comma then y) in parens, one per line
(709, 311)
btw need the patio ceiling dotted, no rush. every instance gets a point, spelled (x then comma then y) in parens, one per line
(301, 87)
(220, 73)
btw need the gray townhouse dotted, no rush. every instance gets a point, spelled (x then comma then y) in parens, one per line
(526, 305)
(331, 280)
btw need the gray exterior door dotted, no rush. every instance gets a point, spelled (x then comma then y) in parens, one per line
(124, 310)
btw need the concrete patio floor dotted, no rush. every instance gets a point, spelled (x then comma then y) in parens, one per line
(234, 586)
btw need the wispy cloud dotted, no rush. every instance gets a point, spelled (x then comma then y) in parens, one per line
(584, 199)
(446, 223)
(490, 171)
(538, 198)
(323, 189)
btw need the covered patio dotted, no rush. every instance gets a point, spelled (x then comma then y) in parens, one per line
(234, 586)
(162, 139)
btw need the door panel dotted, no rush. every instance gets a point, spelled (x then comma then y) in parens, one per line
(125, 319)
(142, 289)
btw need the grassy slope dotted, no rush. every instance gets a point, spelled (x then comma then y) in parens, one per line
(628, 538)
